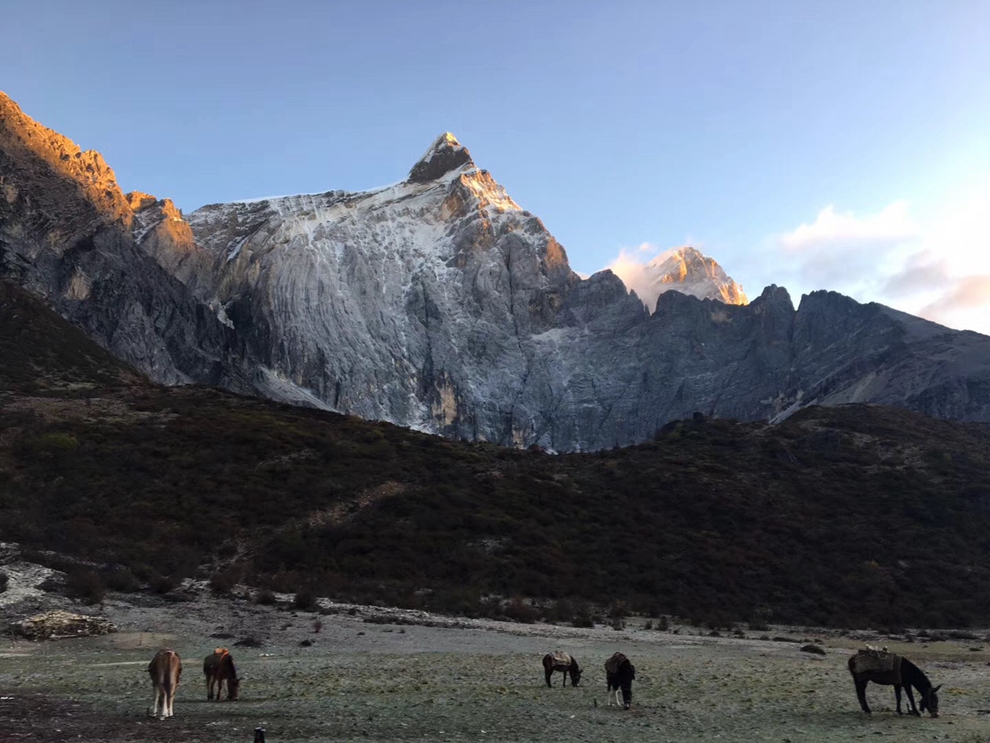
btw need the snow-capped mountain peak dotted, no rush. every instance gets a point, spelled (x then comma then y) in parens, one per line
(444, 155)
(686, 270)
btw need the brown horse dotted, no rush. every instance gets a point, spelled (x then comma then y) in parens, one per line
(561, 661)
(165, 669)
(219, 668)
(892, 670)
(619, 674)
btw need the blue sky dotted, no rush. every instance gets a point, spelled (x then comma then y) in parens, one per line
(841, 145)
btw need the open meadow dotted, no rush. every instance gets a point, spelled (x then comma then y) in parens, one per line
(376, 675)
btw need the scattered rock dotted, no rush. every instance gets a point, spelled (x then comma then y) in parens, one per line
(57, 624)
(812, 649)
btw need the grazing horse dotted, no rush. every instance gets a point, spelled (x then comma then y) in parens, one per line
(619, 674)
(165, 669)
(219, 668)
(881, 667)
(561, 661)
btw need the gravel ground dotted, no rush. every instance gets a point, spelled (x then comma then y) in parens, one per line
(462, 680)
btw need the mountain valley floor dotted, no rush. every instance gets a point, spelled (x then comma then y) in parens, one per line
(372, 674)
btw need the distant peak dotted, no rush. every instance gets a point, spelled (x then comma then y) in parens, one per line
(444, 155)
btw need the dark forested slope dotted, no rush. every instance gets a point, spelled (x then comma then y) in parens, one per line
(845, 515)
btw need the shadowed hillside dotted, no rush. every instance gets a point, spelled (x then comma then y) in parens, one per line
(848, 515)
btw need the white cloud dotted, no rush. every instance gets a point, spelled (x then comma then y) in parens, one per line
(938, 268)
(841, 250)
(842, 232)
(630, 266)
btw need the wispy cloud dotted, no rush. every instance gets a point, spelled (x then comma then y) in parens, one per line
(937, 268)
(847, 231)
(963, 295)
(837, 249)
(631, 267)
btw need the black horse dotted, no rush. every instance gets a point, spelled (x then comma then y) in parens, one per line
(892, 670)
(619, 674)
(560, 661)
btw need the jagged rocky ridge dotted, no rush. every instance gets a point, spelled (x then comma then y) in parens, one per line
(439, 304)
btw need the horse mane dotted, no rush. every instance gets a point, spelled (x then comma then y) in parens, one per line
(915, 676)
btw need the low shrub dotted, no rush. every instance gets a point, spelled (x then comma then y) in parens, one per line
(86, 586)
(224, 581)
(265, 597)
(305, 601)
(120, 578)
(162, 583)
(519, 611)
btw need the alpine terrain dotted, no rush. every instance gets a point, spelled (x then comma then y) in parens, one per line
(440, 304)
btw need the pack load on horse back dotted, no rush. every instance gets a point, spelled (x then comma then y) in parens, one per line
(619, 675)
(883, 667)
(219, 669)
(561, 661)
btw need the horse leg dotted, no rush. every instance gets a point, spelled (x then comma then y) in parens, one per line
(910, 696)
(154, 709)
(897, 696)
(861, 694)
(548, 672)
(563, 683)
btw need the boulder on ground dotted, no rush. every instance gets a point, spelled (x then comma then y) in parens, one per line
(57, 624)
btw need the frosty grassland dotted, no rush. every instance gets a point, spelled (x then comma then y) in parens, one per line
(365, 673)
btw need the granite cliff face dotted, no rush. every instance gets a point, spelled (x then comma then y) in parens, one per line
(438, 303)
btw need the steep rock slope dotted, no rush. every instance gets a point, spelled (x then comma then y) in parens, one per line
(416, 303)
(65, 235)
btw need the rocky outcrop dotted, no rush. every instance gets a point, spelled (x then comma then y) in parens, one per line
(54, 625)
(444, 155)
